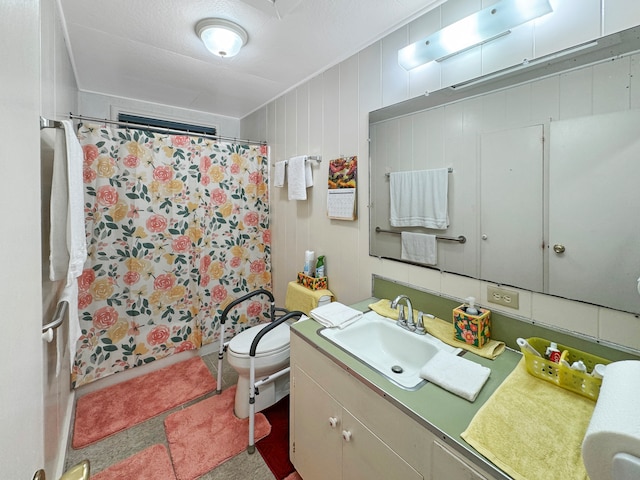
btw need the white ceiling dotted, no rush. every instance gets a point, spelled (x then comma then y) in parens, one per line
(148, 50)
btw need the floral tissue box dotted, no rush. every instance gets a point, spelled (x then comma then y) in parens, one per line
(472, 329)
(313, 283)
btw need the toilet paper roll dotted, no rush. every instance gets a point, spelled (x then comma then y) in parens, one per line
(615, 425)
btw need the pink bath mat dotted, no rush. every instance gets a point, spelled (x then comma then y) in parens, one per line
(150, 464)
(206, 434)
(115, 408)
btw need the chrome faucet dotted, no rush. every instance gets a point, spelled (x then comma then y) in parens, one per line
(407, 323)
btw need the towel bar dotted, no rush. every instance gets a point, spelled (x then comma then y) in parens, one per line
(459, 239)
(314, 158)
(450, 170)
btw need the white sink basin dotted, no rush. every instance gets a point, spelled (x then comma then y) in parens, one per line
(396, 353)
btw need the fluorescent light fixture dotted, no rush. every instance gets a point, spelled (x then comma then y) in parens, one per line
(481, 27)
(525, 64)
(221, 37)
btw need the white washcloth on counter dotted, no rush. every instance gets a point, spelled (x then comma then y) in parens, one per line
(299, 177)
(419, 198)
(456, 374)
(419, 247)
(335, 314)
(279, 173)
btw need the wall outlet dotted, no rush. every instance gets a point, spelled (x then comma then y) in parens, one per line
(501, 296)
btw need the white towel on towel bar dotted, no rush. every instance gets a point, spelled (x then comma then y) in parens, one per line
(419, 198)
(456, 374)
(68, 240)
(419, 248)
(299, 177)
(279, 174)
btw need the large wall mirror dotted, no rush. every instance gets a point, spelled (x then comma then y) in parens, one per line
(544, 164)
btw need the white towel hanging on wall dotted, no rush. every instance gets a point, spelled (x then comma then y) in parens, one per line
(419, 248)
(299, 177)
(419, 198)
(279, 174)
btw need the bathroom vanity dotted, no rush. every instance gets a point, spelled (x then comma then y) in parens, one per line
(348, 421)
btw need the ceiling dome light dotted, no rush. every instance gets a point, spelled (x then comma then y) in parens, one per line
(221, 37)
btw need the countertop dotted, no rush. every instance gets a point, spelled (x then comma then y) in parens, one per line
(442, 412)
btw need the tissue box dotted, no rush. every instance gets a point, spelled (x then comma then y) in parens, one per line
(313, 283)
(472, 329)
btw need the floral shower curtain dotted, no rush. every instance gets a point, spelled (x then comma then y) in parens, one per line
(177, 228)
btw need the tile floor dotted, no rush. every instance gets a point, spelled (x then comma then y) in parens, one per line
(118, 447)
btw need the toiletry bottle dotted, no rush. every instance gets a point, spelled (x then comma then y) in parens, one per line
(471, 309)
(553, 353)
(309, 257)
(320, 267)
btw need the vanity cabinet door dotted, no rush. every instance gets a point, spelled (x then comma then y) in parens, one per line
(316, 430)
(330, 443)
(366, 457)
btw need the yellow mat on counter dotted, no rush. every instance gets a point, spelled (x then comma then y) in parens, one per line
(442, 330)
(532, 429)
(305, 299)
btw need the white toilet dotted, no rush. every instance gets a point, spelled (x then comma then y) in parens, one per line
(272, 355)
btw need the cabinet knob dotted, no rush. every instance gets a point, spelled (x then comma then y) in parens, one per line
(558, 248)
(346, 434)
(485, 236)
(333, 422)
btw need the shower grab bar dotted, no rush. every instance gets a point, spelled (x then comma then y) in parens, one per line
(58, 317)
(459, 239)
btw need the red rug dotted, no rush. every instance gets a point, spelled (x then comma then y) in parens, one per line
(204, 435)
(274, 448)
(110, 410)
(150, 464)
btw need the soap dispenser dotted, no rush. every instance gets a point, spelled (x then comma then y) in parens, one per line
(471, 309)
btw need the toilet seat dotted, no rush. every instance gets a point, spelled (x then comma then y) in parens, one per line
(274, 342)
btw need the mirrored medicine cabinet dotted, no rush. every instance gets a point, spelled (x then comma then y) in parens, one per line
(545, 167)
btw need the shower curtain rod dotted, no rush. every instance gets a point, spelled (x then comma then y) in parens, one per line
(46, 123)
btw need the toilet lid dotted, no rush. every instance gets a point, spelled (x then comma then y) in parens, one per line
(273, 341)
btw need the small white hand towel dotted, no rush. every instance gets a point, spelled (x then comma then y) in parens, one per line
(456, 374)
(68, 241)
(335, 314)
(419, 198)
(419, 248)
(297, 178)
(279, 174)
(308, 174)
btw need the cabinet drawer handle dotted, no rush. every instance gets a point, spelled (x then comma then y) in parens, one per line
(346, 434)
(333, 422)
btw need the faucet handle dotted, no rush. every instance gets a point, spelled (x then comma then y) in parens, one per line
(420, 328)
(401, 318)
